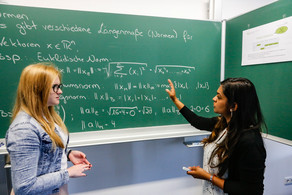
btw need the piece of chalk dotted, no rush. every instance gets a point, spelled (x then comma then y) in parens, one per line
(186, 169)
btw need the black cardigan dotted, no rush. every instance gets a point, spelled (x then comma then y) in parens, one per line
(246, 164)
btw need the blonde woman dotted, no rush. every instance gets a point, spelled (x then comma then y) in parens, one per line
(37, 138)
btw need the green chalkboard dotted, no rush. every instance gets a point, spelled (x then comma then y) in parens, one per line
(272, 80)
(115, 67)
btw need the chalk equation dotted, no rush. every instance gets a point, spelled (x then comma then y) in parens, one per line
(173, 68)
(121, 111)
(124, 69)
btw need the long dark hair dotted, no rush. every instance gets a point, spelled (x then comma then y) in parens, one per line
(248, 116)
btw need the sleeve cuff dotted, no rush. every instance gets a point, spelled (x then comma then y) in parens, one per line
(68, 152)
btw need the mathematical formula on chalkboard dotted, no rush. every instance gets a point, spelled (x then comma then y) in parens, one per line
(115, 67)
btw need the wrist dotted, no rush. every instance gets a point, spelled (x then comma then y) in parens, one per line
(174, 99)
(211, 179)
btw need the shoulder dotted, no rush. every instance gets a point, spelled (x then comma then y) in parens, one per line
(24, 120)
(23, 127)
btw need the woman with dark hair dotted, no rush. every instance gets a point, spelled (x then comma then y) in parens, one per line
(234, 153)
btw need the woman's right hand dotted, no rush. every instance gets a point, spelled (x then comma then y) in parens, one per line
(171, 92)
(173, 97)
(78, 170)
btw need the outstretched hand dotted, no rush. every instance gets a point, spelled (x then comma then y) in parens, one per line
(171, 92)
(173, 97)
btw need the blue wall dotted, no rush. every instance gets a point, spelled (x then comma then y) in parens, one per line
(124, 164)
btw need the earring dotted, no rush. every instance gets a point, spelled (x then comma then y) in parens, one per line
(231, 111)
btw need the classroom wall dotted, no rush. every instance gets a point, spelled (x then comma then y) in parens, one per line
(189, 9)
(154, 167)
(226, 9)
(278, 166)
(145, 167)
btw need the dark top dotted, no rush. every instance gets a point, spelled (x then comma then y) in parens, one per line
(246, 164)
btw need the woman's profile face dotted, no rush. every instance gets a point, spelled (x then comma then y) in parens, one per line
(55, 92)
(221, 103)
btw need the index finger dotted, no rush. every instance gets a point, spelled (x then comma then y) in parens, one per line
(170, 83)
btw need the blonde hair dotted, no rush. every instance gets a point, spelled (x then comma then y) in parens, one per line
(32, 97)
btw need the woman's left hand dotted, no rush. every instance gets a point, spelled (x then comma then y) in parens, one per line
(77, 157)
(198, 173)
